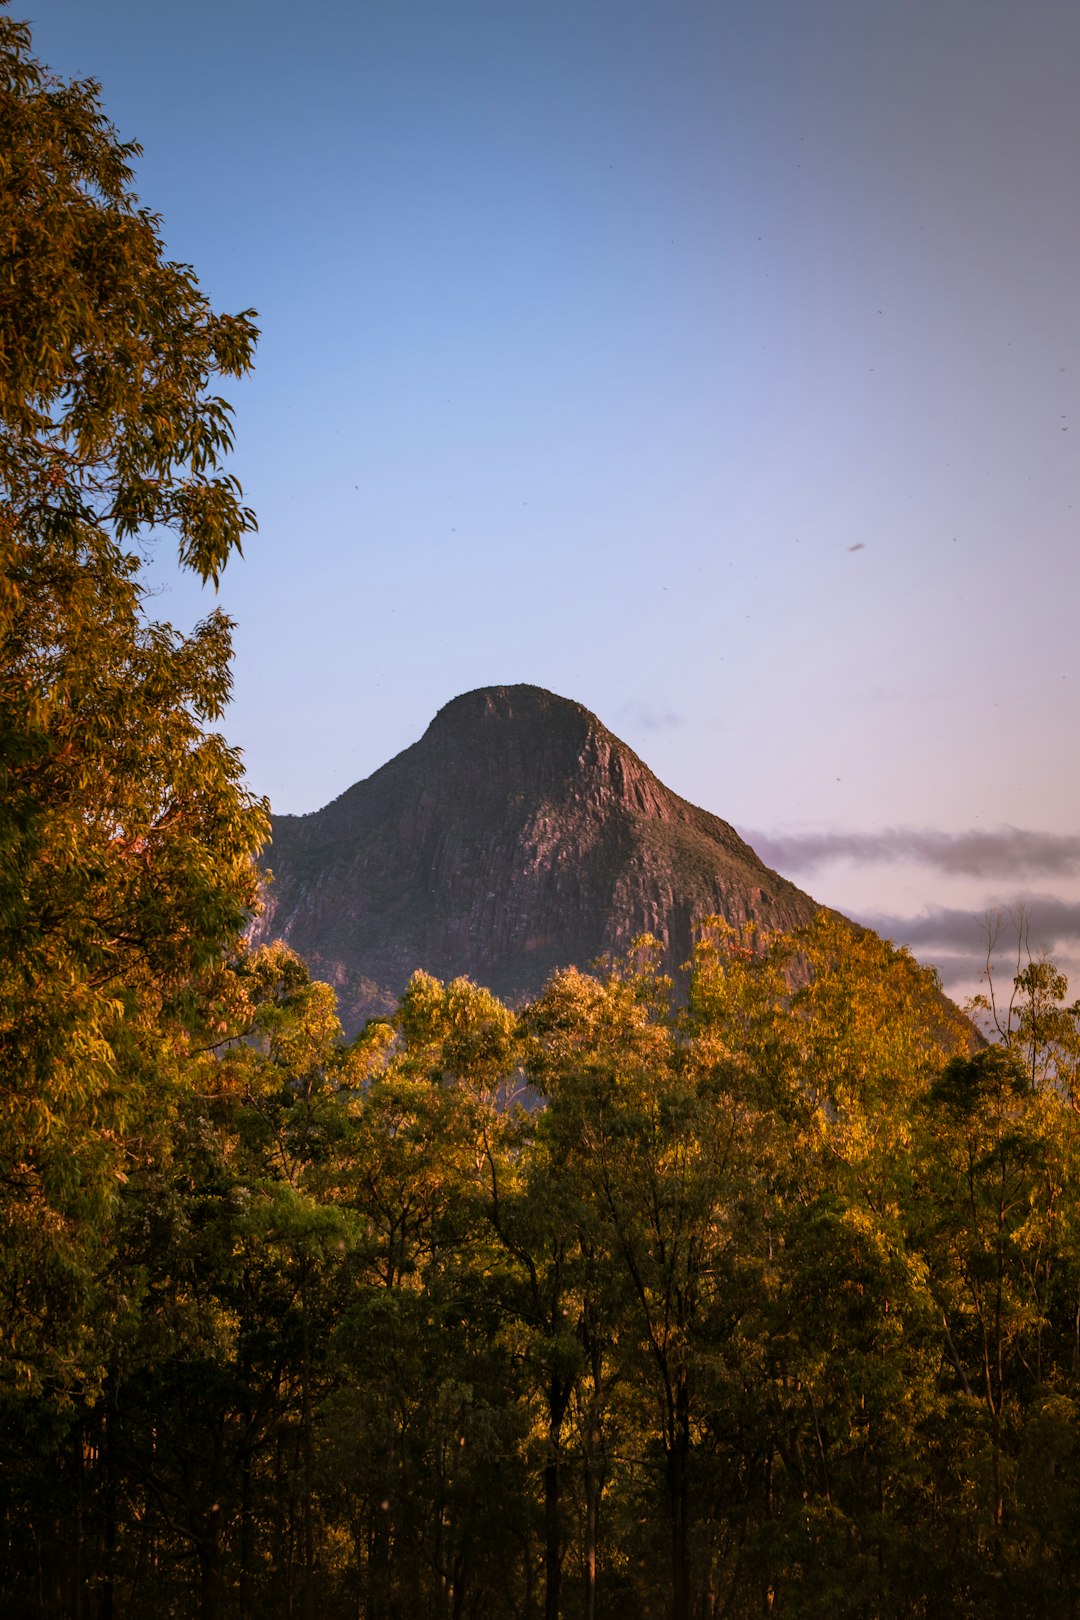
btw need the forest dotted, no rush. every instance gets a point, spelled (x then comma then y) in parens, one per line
(759, 1299)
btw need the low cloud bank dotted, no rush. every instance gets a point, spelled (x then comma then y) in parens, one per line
(1008, 852)
(1040, 921)
(956, 941)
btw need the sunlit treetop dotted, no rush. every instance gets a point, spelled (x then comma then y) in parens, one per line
(108, 350)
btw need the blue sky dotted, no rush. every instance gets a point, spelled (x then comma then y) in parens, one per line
(716, 365)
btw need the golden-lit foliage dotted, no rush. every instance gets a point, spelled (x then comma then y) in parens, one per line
(126, 832)
(730, 1307)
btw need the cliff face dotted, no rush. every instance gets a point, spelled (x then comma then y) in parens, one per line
(518, 835)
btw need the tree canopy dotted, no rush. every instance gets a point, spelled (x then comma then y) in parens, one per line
(126, 831)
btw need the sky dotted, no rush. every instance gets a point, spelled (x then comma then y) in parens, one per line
(716, 365)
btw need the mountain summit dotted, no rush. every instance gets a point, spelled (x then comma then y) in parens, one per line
(518, 835)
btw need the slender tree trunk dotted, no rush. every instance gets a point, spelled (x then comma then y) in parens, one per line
(306, 1515)
(210, 1570)
(107, 1467)
(283, 1533)
(442, 1576)
(528, 1576)
(558, 1400)
(379, 1578)
(461, 1588)
(78, 1529)
(592, 1523)
(247, 1536)
(552, 1539)
(594, 1472)
(50, 1575)
(678, 1479)
(379, 1564)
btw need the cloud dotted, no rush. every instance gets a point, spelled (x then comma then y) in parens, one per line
(955, 941)
(1046, 922)
(648, 718)
(1008, 852)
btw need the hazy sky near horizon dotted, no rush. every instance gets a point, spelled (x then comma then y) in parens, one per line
(715, 365)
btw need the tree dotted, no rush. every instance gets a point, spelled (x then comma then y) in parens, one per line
(426, 1398)
(126, 833)
(1000, 1232)
(536, 1208)
(664, 1135)
(1034, 1023)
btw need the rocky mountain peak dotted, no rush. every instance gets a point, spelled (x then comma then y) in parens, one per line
(528, 739)
(516, 836)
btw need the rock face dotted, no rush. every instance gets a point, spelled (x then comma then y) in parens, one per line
(518, 835)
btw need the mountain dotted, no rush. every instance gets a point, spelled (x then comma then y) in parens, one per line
(518, 835)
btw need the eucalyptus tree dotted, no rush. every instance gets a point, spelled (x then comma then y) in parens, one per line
(126, 832)
(667, 1143)
(428, 1427)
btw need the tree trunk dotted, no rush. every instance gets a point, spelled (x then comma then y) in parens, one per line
(210, 1568)
(78, 1536)
(592, 1524)
(558, 1398)
(678, 1481)
(307, 1452)
(594, 1468)
(379, 1573)
(247, 1528)
(107, 1468)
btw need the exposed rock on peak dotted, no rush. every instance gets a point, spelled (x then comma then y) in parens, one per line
(518, 835)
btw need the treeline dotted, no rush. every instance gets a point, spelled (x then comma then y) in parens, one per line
(771, 1304)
